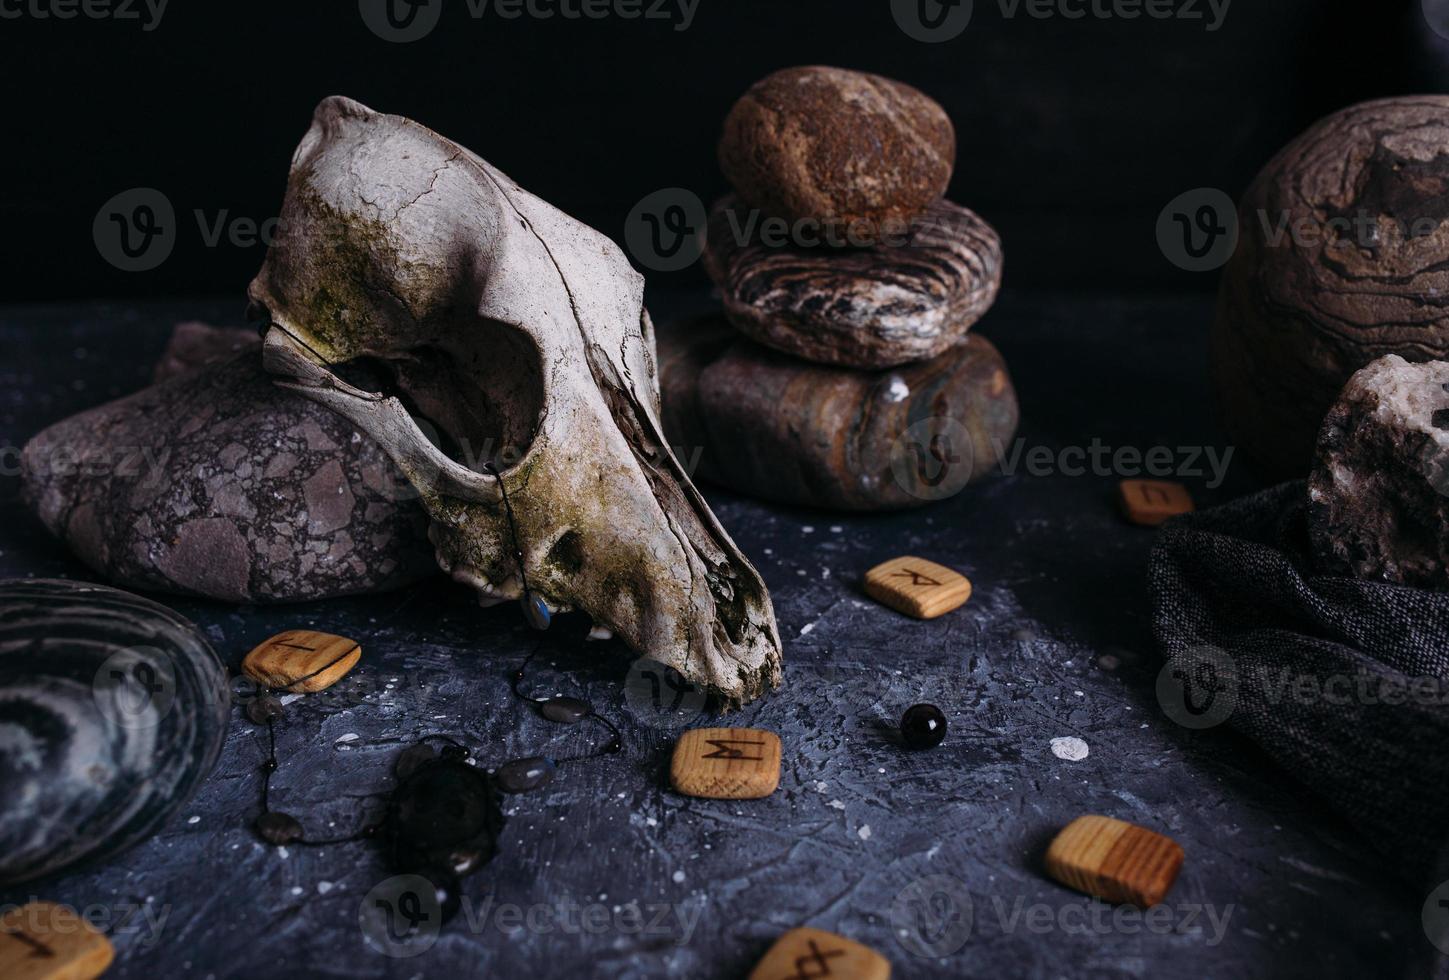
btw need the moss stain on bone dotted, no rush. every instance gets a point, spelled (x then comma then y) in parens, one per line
(347, 255)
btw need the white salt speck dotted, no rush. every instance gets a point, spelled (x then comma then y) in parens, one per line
(881, 769)
(808, 529)
(836, 529)
(837, 804)
(769, 551)
(1070, 748)
(193, 820)
(806, 628)
(323, 887)
(679, 877)
(349, 737)
(283, 853)
(296, 889)
(1079, 694)
(864, 831)
(651, 821)
(820, 786)
(898, 391)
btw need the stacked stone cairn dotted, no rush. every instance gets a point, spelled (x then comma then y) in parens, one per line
(841, 374)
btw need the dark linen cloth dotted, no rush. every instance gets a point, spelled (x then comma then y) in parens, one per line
(1345, 683)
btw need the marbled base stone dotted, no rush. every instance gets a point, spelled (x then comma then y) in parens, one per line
(113, 710)
(903, 300)
(220, 484)
(771, 426)
(1379, 492)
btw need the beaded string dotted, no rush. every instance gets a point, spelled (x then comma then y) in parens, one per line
(608, 748)
(516, 776)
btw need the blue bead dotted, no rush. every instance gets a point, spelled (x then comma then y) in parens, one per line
(535, 610)
(524, 775)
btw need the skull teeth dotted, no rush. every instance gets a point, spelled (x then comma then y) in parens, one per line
(489, 594)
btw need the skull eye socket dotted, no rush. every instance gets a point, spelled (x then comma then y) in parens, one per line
(475, 391)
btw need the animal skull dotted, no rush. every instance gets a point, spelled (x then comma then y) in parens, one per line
(517, 337)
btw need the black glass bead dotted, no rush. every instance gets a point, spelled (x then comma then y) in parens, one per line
(535, 610)
(411, 758)
(445, 808)
(455, 753)
(566, 711)
(263, 709)
(923, 726)
(277, 828)
(524, 775)
(1441, 419)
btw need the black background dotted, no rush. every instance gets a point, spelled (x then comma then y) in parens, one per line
(1072, 135)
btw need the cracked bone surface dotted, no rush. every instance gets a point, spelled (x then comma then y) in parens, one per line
(465, 324)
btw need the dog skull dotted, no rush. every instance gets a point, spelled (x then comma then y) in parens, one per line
(517, 338)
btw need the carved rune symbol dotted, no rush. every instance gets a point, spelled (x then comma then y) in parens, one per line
(916, 577)
(295, 646)
(724, 749)
(814, 962)
(38, 949)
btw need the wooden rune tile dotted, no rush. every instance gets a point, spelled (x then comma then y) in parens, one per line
(917, 587)
(1114, 860)
(726, 763)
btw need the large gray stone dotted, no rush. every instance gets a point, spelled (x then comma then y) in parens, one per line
(218, 483)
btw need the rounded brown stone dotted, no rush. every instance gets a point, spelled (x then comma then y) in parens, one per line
(751, 419)
(1339, 262)
(842, 147)
(895, 302)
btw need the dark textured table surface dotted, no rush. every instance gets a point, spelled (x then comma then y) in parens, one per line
(609, 873)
